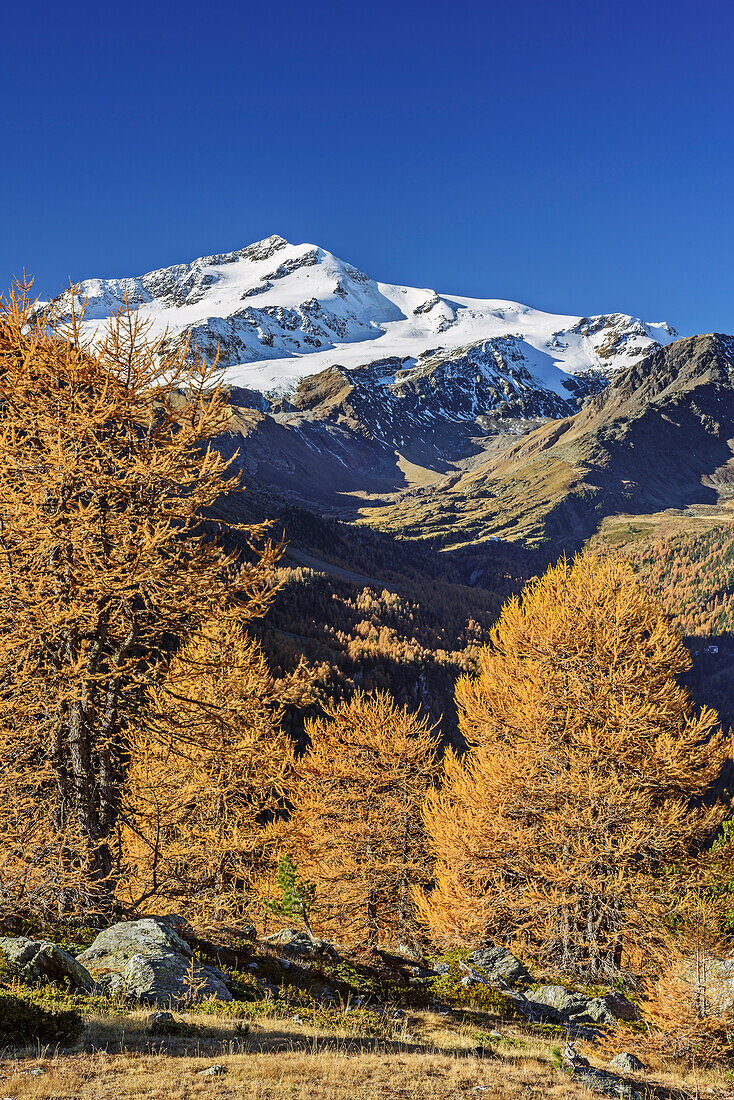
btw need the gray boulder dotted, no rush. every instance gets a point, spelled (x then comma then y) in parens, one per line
(42, 961)
(626, 1063)
(498, 962)
(212, 1071)
(131, 937)
(563, 1006)
(164, 1023)
(714, 975)
(301, 944)
(149, 962)
(560, 1005)
(608, 1084)
(161, 1019)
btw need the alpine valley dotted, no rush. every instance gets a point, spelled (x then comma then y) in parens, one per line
(425, 453)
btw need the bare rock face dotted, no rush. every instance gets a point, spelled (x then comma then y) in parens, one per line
(148, 961)
(274, 305)
(564, 1006)
(716, 976)
(40, 960)
(499, 963)
(626, 1063)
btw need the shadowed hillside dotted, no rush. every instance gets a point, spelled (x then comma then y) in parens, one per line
(658, 437)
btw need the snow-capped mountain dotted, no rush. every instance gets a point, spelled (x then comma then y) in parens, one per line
(279, 312)
(346, 387)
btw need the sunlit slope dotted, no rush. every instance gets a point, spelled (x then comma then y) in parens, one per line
(659, 437)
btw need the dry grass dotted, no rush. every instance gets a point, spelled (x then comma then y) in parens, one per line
(430, 1058)
(621, 530)
(316, 1074)
(120, 1060)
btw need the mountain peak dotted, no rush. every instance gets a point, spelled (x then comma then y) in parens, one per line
(676, 367)
(277, 312)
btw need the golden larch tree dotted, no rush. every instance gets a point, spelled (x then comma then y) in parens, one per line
(585, 756)
(106, 471)
(211, 768)
(356, 829)
(689, 989)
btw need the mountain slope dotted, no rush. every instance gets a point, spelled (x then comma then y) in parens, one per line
(659, 436)
(485, 435)
(361, 387)
(279, 312)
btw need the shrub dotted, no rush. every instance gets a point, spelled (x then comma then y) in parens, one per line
(8, 970)
(245, 987)
(449, 989)
(23, 1021)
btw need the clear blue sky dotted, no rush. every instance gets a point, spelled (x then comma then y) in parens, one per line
(578, 156)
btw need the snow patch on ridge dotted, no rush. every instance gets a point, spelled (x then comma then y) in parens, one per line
(280, 312)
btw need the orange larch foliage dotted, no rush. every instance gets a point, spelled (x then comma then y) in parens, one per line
(690, 992)
(357, 833)
(105, 472)
(693, 571)
(211, 768)
(585, 756)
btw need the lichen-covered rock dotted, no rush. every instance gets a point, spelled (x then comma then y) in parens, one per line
(149, 962)
(301, 944)
(564, 1006)
(128, 938)
(165, 978)
(561, 1005)
(608, 1084)
(626, 1063)
(498, 962)
(41, 960)
(164, 1023)
(212, 1071)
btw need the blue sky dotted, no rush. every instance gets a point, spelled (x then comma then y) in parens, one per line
(575, 156)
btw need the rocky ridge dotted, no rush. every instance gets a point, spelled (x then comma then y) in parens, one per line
(659, 436)
(415, 369)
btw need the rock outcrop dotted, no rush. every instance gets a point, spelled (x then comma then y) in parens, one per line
(148, 961)
(299, 943)
(556, 1004)
(559, 1005)
(626, 1063)
(497, 963)
(42, 961)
